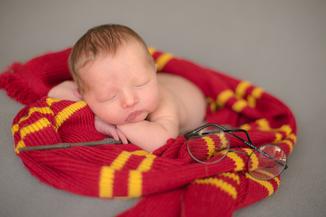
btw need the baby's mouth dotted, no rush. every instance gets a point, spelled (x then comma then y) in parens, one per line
(133, 115)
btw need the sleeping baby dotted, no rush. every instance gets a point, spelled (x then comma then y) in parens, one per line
(115, 75)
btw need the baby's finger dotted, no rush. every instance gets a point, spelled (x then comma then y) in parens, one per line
(114, 134)
(122, 137)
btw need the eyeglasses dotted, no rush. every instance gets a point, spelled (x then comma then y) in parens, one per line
(209, 144)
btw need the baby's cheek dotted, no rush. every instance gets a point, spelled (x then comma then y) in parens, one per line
(106, 113)
(150, 96)
(152, 102)
(114, 116)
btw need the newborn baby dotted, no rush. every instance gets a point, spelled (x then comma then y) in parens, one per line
(116, 76)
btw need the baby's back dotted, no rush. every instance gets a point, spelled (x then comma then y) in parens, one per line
(189, 99)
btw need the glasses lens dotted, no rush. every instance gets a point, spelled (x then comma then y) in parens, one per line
(210, 146)
(268, 162)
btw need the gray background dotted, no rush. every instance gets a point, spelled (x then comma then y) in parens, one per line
(277, 44)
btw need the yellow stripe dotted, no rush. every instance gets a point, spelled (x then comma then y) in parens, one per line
(20, 144)
(286, 129)
(34, 127)
(257, 92)
(239, 164)
(224, 96)
(239, 105)
(245, 127)
(146, 163)
(42, 110)
(213, 107)
(135, 176)
(277, 180)
(50, 101)
(267, 185)
(224, 141)
(212, 104)
(278, 137)
(14, 128)
(135, 183)
(106, 179)
(162, 60)
(120, 160)
(263, 124)
(233, 176)
(241, 88)
(106, 182)
(253, 159)
(141, 153)
(210, 146)
(251, 101)
(63, 115)
(224, 186)
(293, 137)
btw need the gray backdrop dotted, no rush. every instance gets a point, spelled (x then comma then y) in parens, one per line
(277, 44)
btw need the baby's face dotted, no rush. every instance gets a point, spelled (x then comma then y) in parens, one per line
(121, 88)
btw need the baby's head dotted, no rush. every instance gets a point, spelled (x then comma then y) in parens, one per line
(115, 74)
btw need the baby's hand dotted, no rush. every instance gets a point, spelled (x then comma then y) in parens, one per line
(66, 90)
(110, 129)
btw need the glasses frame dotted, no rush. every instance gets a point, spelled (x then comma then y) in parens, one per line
(231, 132)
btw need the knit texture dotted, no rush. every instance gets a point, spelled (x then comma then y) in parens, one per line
(168, 180)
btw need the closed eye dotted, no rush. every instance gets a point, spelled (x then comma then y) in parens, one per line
(108, 99)
(142, 84)
(112, 97)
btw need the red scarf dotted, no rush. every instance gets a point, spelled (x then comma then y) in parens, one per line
(170, 183)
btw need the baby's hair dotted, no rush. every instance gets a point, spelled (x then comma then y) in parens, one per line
(98, 40)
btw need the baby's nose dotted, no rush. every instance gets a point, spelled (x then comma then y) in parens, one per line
(129, 99)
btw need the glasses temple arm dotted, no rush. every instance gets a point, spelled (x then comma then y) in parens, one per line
(238, 137)
(195, 131)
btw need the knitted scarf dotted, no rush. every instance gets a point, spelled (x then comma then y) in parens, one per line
(169, 182)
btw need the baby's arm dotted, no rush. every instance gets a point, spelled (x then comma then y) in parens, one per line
(162, 125)
(150, 135)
